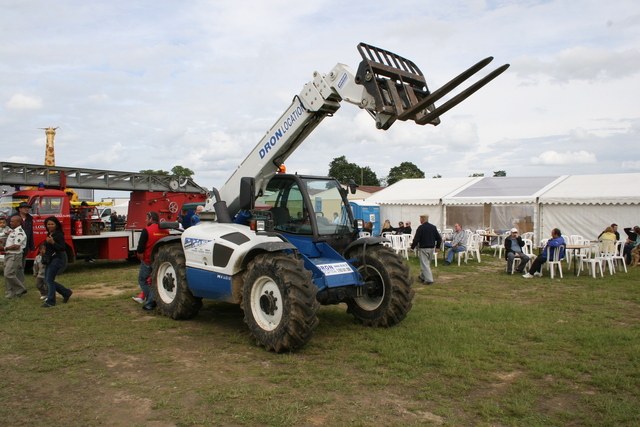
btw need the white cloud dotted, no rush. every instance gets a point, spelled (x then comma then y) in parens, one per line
(138, 86)
(23, 102)
(631, 165)
(581, 64)
(566, 158)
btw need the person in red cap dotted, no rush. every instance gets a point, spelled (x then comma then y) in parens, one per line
(148, 237)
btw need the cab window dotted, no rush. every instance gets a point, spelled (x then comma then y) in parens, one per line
(48, 206)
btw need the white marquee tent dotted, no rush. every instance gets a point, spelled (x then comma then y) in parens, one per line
(586, 204)
(406, 200)
(577, 204)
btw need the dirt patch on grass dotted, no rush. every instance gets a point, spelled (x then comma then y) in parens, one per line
(100, 290)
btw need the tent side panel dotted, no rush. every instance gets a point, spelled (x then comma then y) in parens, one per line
(587, 220)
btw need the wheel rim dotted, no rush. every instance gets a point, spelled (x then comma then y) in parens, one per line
(167, 282)
(266, 303)
(371, 302)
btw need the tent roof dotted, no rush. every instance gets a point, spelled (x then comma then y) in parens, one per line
(604, 189)
(503, 190)
(419, 191)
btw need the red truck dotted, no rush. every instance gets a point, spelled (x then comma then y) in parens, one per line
(82, 230)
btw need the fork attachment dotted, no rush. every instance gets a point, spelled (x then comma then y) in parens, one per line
(401, 91)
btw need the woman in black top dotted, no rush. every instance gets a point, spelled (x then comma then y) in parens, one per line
(56, 253)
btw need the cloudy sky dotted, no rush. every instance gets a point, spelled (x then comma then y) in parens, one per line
(152, 84)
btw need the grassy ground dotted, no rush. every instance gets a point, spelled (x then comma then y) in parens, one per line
(478, 348)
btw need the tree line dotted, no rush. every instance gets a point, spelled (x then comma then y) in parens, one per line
(344, 171)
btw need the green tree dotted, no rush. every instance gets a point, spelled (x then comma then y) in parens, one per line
(499, 173)
(181, 171)
(476, 174)
(405, 170)
(343, 171)
(158, 172)
(437, 175)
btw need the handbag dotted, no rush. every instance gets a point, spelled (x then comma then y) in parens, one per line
(46, 258)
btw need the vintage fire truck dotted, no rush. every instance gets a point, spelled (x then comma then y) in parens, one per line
(44, 190)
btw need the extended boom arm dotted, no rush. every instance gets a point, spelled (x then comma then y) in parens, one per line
(388, 86)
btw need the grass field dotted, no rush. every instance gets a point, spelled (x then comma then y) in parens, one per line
(478, 348)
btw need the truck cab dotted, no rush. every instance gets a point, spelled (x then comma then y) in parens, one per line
(44, 203)
(303, 207)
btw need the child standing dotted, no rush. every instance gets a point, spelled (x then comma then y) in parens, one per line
(5, 230)
(38, 272)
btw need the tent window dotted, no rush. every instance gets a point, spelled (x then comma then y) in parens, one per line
(471, 217)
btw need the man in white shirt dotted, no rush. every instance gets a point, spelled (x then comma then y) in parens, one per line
(13, 251)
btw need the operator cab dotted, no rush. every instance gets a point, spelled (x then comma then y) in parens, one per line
(311, 207)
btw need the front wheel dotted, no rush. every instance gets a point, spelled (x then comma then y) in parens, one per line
(390, 298)
(172, 295)
(279, 302)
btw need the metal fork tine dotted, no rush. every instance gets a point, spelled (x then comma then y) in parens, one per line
(462, 95)
(445, 89)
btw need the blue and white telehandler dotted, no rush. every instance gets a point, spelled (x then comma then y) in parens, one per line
(286, 258)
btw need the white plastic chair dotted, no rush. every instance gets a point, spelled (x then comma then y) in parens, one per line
(581, 253)
(499, 245)
(364, 234)
(619, 256)
(575, 238)
(516, 264)
(387, 235)
(406, 240)
(397, 244)
(447, 233)
(555, 260)
(528, 250)
(607, 251)
(473, 246)
(592, 260)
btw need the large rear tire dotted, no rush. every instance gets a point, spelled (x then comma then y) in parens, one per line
(172, 295)
(391, 300)
(279, 302)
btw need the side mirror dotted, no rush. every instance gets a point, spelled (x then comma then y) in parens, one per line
(352, 186)
(247, 193)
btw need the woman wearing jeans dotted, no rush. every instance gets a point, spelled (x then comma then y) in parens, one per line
(56, 253)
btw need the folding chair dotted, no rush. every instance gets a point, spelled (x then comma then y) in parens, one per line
(555, 261)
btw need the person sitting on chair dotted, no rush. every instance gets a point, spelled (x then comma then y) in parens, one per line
(513, 249)
(457, 244)
(556, 241)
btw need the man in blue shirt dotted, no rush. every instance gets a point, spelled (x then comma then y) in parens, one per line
(513, 249)
(555, 243)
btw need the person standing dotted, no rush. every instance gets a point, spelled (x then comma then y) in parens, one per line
(13, 252)
(458, 244)
(428, 241)
(196, 216)
(555, 243)
(113, 218)
(27, 226)
(148, 238)
(55, 254)
(513, 249)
